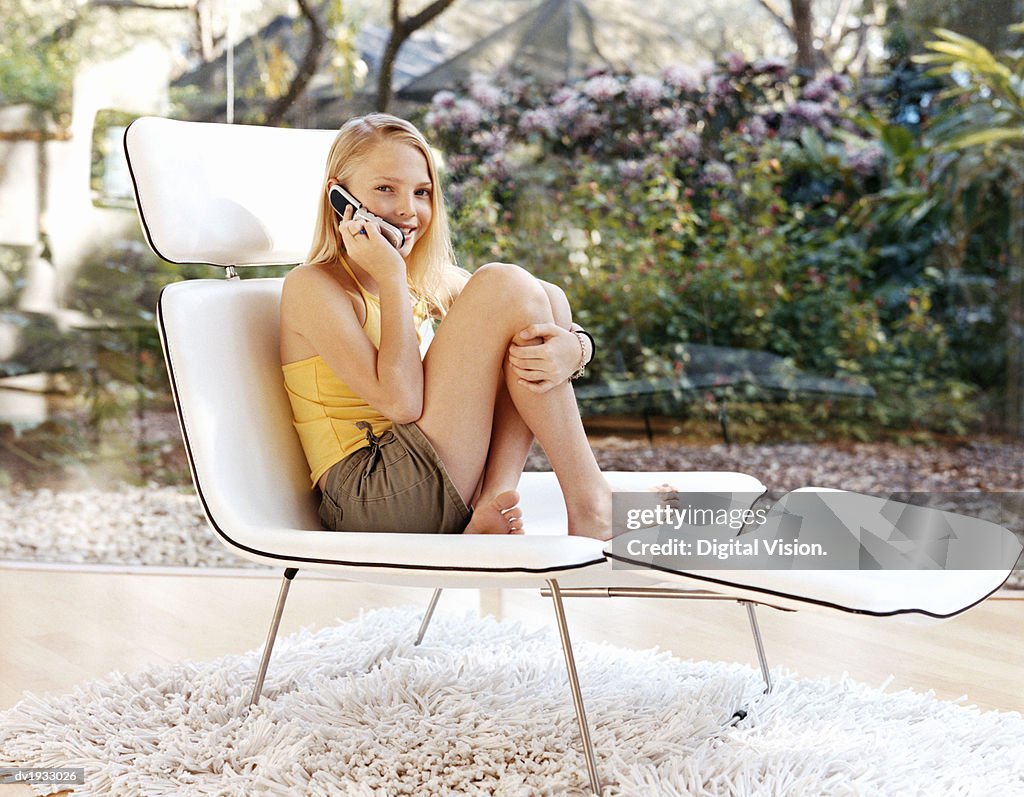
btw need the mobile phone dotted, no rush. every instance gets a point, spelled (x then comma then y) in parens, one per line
(341, 199)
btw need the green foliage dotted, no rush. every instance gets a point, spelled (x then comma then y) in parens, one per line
(747, 210)
(37, 62)
(979, 168)
(909, 25)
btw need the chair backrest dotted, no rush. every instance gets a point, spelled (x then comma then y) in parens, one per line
(220, 340)
(227, 195)
(231, 195)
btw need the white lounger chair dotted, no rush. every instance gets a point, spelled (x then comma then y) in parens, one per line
(233, 196)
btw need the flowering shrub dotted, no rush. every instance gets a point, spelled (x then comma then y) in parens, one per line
(706, 205)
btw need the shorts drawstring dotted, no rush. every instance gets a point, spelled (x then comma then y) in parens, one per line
(374, 442)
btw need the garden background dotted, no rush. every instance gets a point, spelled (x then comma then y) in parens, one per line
(837, 184)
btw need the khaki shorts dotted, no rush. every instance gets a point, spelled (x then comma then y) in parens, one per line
(396, 483)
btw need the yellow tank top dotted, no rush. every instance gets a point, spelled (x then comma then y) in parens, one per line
(324, 409)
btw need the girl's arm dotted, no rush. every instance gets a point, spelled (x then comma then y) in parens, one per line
(547, 355)
(318, 315)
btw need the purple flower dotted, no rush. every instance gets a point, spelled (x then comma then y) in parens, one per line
(444, 99)
(755, 127)
(490, 140)
(818, 90)
(631, 169)
(497, 167)
(719, 87)
(586, 124)
(602, 88)
(458, 163)
(681, 144)
(682, 78)
(563, 95)
(570, 108)
(716, 173)
(486, 94)
(671, 118)
(467, 115)
(645, 90)
(805, 113)
(735, 63)
(539, 120)
(840, 83)
(867, 159)
(460, 191)
(770, 65)
(435, 120)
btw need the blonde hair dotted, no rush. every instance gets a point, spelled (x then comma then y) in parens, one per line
(432, 254)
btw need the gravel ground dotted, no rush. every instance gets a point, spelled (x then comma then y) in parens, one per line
(861, 467)
(164, 526)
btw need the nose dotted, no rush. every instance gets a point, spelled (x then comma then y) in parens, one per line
(406, 208)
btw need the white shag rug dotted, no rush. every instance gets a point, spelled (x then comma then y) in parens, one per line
(483, 708)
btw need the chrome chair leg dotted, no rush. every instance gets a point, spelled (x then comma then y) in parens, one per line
(427, 615)
(574, 685)
(275, 623)
(741, 713)
(759, 646)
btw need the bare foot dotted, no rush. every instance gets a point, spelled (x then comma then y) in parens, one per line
(498, 515)
(593, 519)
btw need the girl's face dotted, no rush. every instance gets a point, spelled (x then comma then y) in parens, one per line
(392, 181)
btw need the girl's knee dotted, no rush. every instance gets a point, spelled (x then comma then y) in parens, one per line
(560, 308)
(509, 282)
(501, 271)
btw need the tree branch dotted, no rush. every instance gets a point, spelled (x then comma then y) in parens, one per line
(840, 22)
(123, 4)
(778, 16)
(401, 29)
(427, 15)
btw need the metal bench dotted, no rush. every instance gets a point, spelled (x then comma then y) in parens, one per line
(720, 371)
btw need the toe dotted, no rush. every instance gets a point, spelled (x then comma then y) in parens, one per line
(506, 500)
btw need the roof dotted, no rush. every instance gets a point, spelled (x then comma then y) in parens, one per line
(553, 42)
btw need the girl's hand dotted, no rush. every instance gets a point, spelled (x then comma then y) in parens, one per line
(545, 355)
(370, 250)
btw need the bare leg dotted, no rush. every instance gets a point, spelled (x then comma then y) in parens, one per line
(511, 438)
(555, 420)
(462, 373)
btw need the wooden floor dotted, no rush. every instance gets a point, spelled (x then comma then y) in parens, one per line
(63, 627)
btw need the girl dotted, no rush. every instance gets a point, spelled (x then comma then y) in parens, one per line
(400, 443)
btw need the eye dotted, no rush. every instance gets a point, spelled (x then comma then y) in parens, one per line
(383, 188)
(424, 192)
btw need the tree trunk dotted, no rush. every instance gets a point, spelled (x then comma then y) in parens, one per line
(807, 58)
(307, 69)
(399, 34)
